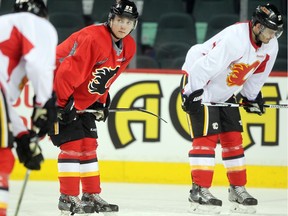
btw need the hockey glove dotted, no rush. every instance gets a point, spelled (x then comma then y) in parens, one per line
(67, 114)
(192, 103)
(102, 110)
(255, 106)
(28, 151)
(43, 118)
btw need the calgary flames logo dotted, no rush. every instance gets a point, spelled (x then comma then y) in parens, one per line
(239, 71)
(103, 78)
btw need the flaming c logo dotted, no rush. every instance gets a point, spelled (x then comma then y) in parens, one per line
(102, 80)
(239, 71)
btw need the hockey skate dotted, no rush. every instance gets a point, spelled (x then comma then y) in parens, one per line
(70, 205)
(242, 201)
(100, 205)
(202, 201)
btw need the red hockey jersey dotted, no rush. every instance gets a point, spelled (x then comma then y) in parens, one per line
(88, 62)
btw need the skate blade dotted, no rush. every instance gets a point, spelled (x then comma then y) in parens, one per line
(242, 209)
(84, 214)
(65, 213)
(196, 208)
(68, 213)
(109, 213)
(111, 208)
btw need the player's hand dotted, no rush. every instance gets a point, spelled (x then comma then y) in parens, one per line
(43, 118)
(28, 150)
(68, 113)
(101, 113)
(254, 106)
(102, 110)
(192, 103)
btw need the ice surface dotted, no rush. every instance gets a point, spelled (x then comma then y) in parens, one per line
(41, 199)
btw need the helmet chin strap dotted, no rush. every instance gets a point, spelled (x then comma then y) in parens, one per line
(114, 34)
(258, 41)
(108, 25)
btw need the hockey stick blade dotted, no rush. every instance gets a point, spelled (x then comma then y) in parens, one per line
(276, 106)
(124, 110)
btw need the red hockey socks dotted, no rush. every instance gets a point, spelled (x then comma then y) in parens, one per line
(89, 170)
(202, 160)
(77, 163)
(6, 166)
(233, 157)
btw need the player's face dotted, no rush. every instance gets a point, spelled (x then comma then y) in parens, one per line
(121, 26)
(266, 34)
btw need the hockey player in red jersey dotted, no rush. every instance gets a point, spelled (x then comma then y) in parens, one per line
(89, 61)
(238, 59)
(27, 53)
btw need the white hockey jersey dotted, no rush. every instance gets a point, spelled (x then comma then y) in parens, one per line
(228, 63)
(27, 52)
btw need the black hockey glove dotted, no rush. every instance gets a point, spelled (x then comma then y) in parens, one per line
(192, 103)
(67, 114)
(255, 106)
(28, 151)
(43, 118)
(102, 110)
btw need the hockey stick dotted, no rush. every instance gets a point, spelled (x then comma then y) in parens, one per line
(123, 110)
(276, 106)
(27, 174)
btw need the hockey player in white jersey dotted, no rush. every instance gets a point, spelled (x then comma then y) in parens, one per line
(238, 59)
(27, 53)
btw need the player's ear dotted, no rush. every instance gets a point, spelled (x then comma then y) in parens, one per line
(111, 23)
(257, 27)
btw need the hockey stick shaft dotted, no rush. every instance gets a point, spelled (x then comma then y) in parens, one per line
(123, 110)
(276, 106)
(27, 174)
(26, 178)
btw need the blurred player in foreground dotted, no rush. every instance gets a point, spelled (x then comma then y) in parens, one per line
(239, 58)
(27, 52)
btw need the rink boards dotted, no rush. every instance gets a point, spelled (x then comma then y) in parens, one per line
(138, 147)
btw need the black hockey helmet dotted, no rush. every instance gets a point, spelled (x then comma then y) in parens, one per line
(36, 7)
(268, 16)
(124, 8)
